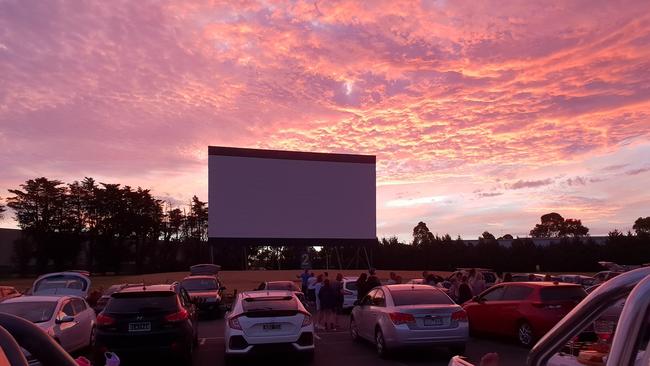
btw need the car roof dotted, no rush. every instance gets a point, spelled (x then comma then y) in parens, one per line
(541, 284)
(150, 288)
(265, 293)
(38, 298)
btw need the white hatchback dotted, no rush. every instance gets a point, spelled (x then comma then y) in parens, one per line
(268, 322)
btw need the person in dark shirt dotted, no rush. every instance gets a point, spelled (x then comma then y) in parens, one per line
(328, 300)
(373, 280)
(464, 291)
(361, 286)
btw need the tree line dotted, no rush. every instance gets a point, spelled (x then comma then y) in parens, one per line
(112, 224)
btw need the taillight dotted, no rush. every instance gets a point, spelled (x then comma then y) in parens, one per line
(459, 316)
(178, 316)
(306, 320)
(104, 320)
(401, 318)
(233, 323)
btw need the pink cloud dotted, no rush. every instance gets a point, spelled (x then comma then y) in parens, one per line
(454, 96)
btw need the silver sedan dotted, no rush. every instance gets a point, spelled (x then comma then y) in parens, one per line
(396, 316)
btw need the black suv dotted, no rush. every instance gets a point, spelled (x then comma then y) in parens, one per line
(147, 321)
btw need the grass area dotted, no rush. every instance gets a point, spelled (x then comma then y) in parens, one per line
(233, 280)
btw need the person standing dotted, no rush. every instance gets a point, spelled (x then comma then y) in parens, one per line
(464, 291)
(507, 277)
(304, 279)
(327, 298)
(317, 288)
(478, 284)
(337, 286)
(361, 286)
(373, 280)
(392, 279)
(311, 288)
(455, 286)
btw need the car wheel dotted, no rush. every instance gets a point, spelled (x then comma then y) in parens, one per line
(380, 344)
(354, 330)
(525, 334)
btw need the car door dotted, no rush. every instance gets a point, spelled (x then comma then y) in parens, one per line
(481, 313)
(67, 333)
(363, 315)
(190, 307)
(85, 317)
(377, 308)
(509, 309)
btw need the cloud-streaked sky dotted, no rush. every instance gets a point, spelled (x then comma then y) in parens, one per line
(484, 115)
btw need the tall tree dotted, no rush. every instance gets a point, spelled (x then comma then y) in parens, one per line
(422, 235)
(574, 227)
(487, 236)
(555, 226)
(642, 226)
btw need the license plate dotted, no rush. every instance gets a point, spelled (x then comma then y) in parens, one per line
(140, 327)
(271, 326)
(432, 321)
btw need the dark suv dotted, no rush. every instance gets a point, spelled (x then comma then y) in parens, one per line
(146, 321)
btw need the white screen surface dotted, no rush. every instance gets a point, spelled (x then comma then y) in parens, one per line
(255, 197)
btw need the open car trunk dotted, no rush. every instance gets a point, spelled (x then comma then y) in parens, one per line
(62, 283)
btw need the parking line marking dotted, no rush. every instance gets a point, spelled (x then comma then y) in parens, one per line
(202, 343)
(316, 336)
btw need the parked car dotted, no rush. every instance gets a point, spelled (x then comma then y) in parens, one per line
(349, 292)
(604, 276)
(8, 292)
(397, 316)
(283, 286)
(525, 310)
(585, 281)
(157, 319)
(268, 321)
(66, 318)
(62, 283)
(206, 291)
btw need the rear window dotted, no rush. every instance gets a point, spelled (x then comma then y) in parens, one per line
(200, 284)
(35, 312)
(352, 286)
(419, 297)
(286, 286)
(270, 303)
(142, 302)
(562, 293)
(61, 281)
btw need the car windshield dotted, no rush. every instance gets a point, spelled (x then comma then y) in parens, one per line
(288, 286)
(420, 297)
(36, 312)
(142, 302)
(200, 284)
(563, 293)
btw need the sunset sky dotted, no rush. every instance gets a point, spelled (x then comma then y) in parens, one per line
(484, 115)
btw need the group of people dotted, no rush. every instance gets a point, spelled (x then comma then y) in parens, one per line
(465, 286)
(326, 295)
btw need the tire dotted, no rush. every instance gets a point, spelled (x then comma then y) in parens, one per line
(457, 350)
(380, 344)
(354, 330)
(525, 335)
(91, 340)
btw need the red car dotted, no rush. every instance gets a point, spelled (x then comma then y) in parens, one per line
(526, 310)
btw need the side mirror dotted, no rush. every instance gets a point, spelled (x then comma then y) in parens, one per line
(65, 319)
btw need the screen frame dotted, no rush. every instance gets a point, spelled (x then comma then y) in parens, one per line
(291, 155)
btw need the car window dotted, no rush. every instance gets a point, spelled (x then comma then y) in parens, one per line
(379, 299)
(142, 302)
(494, 294)
(78, 305)
(419, 297)
(516, 293)
(351, 285)
(67, 309)
(184, 297)
(200, 284)
(36, 312)
(563, 293)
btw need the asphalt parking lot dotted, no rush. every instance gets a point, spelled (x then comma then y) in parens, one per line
(337, 349)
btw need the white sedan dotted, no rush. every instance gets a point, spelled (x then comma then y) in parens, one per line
(67, 319)
(274, 321)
